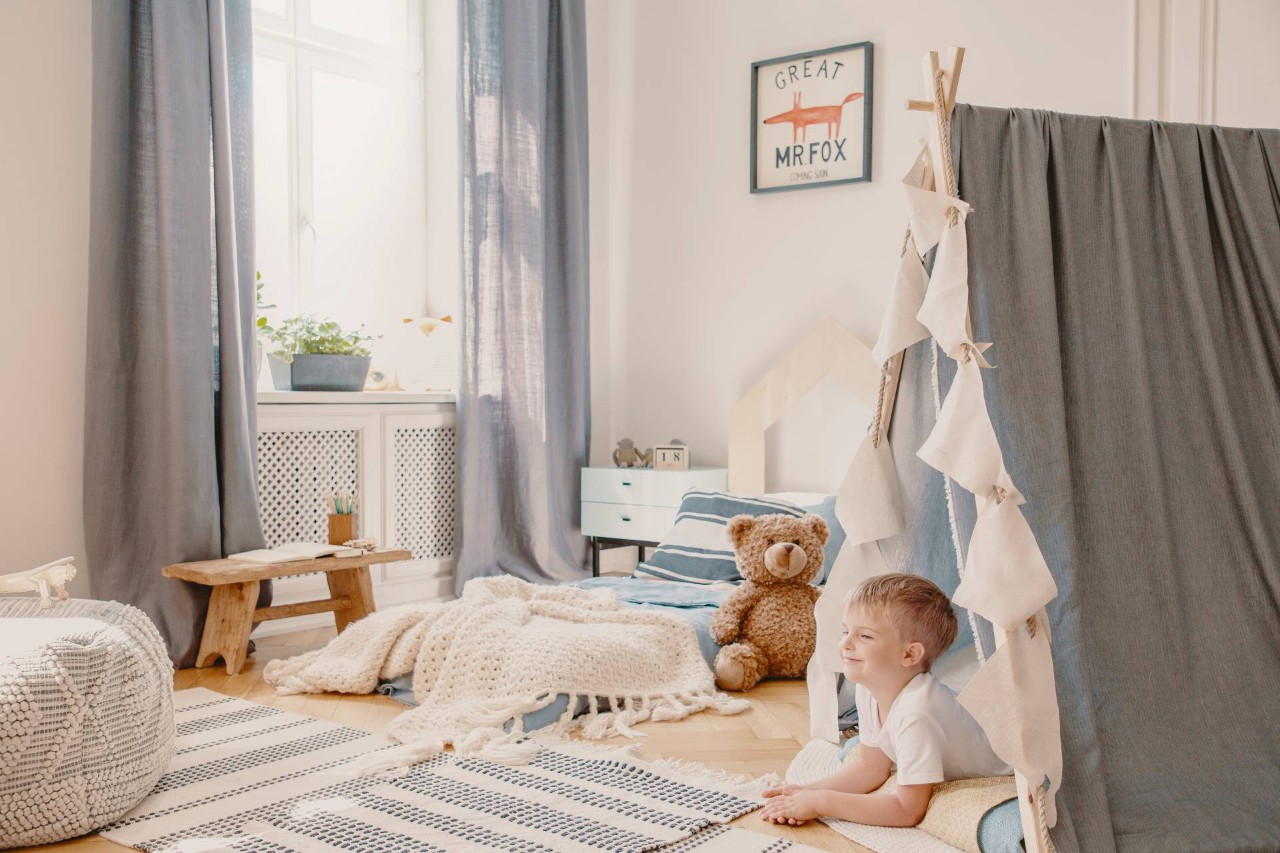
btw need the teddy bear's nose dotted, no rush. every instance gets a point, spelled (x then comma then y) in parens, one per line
(787, 546)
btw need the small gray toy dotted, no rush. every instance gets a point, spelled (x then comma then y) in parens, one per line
(627, 456)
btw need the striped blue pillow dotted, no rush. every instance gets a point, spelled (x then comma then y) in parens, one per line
(697, 548)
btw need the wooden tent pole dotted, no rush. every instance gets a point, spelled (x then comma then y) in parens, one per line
(950, 83)
(1028, 805)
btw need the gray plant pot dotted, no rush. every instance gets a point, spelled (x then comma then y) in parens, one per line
(319, 372)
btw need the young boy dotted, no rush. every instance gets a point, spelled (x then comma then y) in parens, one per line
(895, 627)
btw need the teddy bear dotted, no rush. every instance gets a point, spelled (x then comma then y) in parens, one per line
(627, 455)
(767, 626)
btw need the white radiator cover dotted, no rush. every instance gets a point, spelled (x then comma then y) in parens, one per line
(395, 451)
(297, 468)
(424, 490)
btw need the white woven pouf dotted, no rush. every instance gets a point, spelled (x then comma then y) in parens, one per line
(86, 716)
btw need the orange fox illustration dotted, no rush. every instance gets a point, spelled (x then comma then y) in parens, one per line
(801, 117)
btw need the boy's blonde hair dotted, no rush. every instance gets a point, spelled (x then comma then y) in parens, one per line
(919, 610)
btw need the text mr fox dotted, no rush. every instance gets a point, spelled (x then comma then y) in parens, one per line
(802, 117)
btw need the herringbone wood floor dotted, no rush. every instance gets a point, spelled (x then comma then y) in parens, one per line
(759, 741)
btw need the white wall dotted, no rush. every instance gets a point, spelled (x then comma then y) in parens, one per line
(697, 286)
(44, 250)
(444, 259)
(709, 285)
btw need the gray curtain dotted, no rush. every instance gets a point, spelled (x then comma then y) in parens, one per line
(169, 402)
(1129, 273)
(524, 401)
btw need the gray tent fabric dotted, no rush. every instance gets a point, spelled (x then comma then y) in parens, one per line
(170, 433)
(523, 401)
(1129, 275)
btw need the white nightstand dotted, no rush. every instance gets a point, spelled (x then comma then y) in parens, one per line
(637, 506)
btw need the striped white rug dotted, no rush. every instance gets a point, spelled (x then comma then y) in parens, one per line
(251, 778)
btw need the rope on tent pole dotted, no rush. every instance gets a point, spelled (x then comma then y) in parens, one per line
(1045, 839)
(875, 425)
(944, 139)
(951, 505)
(1035, 829)
(940, 112)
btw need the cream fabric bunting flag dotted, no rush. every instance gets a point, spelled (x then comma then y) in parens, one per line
(1014, 699)
(824, 701)
(963, 443)
(927, 211)
(945, 309)
(1006, 578)
(920, 170)
(900, 328)
(869, 502)
(854, 564)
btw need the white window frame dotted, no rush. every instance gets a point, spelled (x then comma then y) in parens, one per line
(302, 47)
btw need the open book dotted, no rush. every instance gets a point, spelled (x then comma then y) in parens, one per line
(294, 551)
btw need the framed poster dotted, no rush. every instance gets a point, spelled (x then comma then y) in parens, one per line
(811, 119)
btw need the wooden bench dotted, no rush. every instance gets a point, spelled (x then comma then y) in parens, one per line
(233, 604)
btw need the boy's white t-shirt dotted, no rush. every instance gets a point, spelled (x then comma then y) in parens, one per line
(928, 734)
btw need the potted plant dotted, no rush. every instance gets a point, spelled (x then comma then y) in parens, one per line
(260, 306)
(307, 354)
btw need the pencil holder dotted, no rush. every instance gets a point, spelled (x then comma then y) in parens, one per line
(342, 527)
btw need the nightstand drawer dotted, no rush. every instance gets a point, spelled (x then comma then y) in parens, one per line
(646, 487)
(622, 521)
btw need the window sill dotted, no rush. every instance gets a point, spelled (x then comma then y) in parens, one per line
(361, 397)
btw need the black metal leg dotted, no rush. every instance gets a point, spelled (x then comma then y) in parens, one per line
(595, 557)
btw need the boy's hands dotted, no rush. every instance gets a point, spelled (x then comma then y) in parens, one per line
(790, 805)
(780, 791)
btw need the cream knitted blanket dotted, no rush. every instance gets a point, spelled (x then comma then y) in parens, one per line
(507, 648)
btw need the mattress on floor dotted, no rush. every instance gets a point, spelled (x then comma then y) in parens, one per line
(692, 603)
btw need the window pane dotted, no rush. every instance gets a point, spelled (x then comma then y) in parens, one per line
(368, 201)
(274, 7)
(273, 224)
(384, 22)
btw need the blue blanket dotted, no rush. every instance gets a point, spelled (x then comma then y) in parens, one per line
(693, 603)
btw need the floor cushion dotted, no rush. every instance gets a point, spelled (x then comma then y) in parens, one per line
(999, 823)
(86, 716)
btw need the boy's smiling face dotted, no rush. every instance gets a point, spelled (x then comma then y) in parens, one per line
(871, 650)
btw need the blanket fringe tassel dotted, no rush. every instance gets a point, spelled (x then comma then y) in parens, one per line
(480, 728)
(396, 761)
(285, 674)
(624, 712)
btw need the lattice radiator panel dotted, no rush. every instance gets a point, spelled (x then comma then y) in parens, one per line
(297, 469)
(424, 490)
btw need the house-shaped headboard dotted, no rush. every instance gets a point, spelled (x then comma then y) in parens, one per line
(829, 349)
